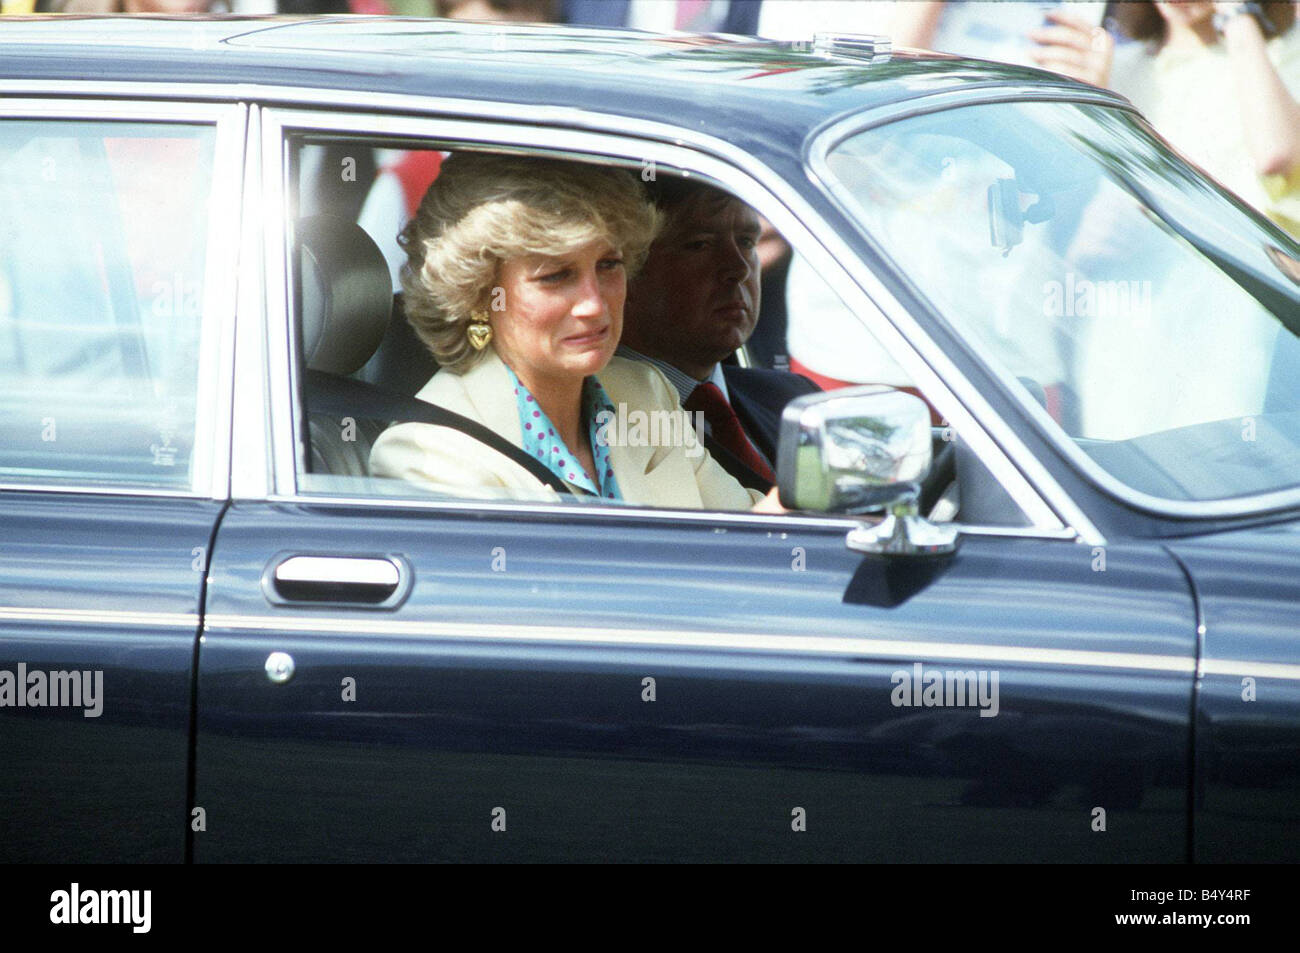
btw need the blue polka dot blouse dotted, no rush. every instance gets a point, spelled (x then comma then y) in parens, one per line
(542, 441)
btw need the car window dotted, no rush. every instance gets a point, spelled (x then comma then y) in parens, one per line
(102, 250)
(352, 201)
(1158, 316)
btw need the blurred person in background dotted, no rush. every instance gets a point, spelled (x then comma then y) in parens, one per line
(1027, 32)
(664, 16)
(800, 19)
(824, 340)
(174, 7)
(1066, 37)
(1221, 81)
(514, 11)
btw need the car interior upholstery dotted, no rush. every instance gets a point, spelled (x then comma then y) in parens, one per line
(346, 308)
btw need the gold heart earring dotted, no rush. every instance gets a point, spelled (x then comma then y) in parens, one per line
(479, 331)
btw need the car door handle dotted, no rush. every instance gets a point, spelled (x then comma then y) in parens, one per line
(379, 582)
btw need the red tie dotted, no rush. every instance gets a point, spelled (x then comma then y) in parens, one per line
(726, 429)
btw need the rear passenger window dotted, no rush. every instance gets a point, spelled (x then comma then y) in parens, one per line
(102, 251)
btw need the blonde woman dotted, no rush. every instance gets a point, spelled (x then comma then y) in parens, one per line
(515, 280)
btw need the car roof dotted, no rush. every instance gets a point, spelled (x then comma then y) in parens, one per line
(727, 86)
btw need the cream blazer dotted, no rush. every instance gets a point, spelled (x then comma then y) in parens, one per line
(448, 461)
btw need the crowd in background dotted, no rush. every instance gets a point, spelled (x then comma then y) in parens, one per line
(1222, 86)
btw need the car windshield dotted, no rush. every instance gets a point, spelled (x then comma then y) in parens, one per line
(1150, 314)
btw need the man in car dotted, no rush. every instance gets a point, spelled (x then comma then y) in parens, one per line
(694, 303)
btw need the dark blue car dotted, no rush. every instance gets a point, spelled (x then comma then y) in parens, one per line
(1059, 626)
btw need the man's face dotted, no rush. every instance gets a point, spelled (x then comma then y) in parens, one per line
(696, 300)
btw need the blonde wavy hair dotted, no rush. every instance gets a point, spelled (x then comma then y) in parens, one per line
(484, 209)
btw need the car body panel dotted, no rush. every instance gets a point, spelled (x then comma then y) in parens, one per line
(1248, 694)
(523, 688)
(112, 585)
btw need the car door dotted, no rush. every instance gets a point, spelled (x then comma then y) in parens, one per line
(112, 298)
(390, 676)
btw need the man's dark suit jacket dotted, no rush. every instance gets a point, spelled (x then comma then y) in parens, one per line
(758, 396)
(741, 16)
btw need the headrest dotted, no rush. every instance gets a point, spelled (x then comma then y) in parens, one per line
(347, 294)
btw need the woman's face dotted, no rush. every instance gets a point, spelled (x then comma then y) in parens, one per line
(563, 315)
(1185, 12)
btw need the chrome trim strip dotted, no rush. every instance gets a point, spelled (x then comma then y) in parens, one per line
(1065, 533)
(250, 436)
(217, 336)
(1235, 667)
(307, 96)
(821, 143)
(570, 511)
(743, 183)
(132, 110)
(208, 468)
(98, 617)
(782, 523)
(142, 491)
(287, 451)
(743, 641)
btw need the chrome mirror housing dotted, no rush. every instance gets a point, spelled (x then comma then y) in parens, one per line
(859, 450)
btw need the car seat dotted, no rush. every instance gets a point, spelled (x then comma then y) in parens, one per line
(402, 364)
(345, 307)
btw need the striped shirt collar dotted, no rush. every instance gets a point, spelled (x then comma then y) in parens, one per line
(682, 382)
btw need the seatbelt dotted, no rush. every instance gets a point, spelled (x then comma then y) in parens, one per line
(343, 397)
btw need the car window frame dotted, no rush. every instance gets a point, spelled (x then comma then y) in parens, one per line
(210, 468)
(751, 181)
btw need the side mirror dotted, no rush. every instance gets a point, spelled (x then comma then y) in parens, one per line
(857, 450)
